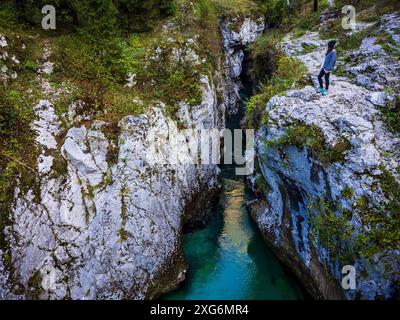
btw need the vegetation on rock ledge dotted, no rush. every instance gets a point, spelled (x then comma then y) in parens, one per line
(287, 73)
(330, 229)
(311, 137)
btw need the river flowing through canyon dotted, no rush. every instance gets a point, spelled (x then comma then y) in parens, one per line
(228, 258)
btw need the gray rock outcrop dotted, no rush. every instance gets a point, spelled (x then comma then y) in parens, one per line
(296, 177)
(105, 220)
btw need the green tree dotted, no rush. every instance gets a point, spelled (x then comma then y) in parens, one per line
(140, 15)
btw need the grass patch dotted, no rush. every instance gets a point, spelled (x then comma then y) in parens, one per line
(347, 193)
(391, 188)
(383, 221)
(308, 48)
(234, 8)
(60, 166)
(391, 114)
(123, 234)
(388, 44)
(35, 286)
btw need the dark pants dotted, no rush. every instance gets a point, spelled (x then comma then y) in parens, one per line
(321, 74)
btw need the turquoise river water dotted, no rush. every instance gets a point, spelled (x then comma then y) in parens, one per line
(229, 259)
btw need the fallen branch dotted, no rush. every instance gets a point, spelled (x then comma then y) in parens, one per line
(11, 158)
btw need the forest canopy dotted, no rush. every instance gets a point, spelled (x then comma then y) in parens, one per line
(98, 16)
(113, 17)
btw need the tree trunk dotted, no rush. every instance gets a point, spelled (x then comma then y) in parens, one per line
(315, 5)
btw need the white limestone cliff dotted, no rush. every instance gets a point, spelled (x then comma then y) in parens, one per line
(296, 177)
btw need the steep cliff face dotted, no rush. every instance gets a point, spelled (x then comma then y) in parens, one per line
(333, 156)
(106, 216)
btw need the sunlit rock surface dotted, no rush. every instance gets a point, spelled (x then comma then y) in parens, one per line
(105, 221)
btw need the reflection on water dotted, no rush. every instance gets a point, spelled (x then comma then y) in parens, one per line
(229, 259)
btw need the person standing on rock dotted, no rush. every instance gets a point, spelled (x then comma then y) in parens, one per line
(327, 68)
